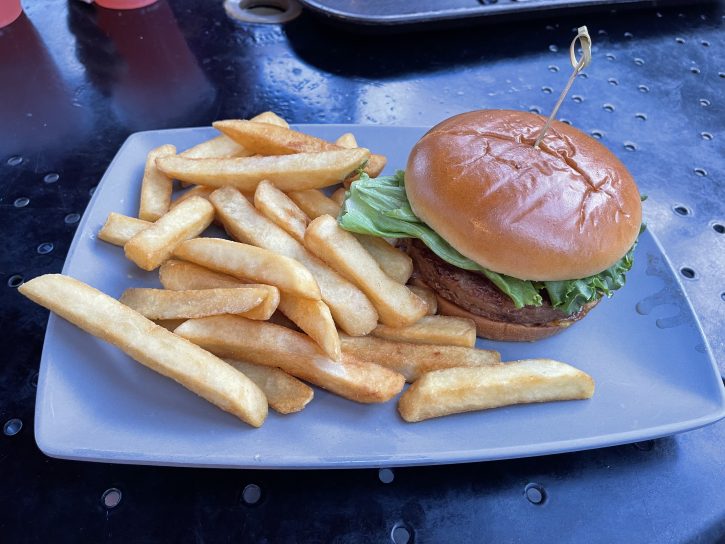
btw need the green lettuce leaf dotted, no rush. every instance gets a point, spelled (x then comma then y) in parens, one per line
(380, 207)
(570, 295)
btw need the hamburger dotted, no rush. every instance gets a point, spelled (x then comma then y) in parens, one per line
(522, 240)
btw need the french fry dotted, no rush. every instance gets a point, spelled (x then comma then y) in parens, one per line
(268, 139)
(314, 203)
(432, 329)
(287, 172)
(181, 275)
(285, 394)
(150, 344)
(395, 263)
(428, 295)
(152, 246)
(313, 317)
(338, 196)
(347, 141)
(270, 118)
(274, 140)
(397, 305)
(164, 304)
(119, 229)
(220, 147)
(456, 390)
(413, 360)
(264, 343)
(156, 188)
(244, 261)
(279, 209)
(375, 165)
(224, 147)
(350, 308)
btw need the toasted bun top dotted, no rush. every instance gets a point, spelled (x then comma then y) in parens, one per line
(565, 211)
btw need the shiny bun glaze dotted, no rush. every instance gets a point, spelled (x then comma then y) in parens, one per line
(565, 211)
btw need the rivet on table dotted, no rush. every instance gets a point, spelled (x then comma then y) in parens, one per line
(45, 248)
(111, 498)
(535, 493)
(386, 475)
(401, 534)
(251, 494)
(12, 426)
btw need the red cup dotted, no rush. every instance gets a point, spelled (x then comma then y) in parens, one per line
(9, 11)
(123, 4)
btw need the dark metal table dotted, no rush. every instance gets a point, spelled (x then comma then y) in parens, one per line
(76, 80)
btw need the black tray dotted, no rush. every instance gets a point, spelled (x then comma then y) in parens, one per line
(426, 12)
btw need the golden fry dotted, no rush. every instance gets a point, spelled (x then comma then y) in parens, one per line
(350, 308)
(314, 203)
(285, 394)
(428, 295)
(264, 343)
(220, 147)
(270, 118)
(150, 344)
(397, 305)
(412, 360)
(119, 229)
(224, 147)
(313, 317)
(457, 390)
(395, 263)
(152, 246)
(181, 275)
(347, 141)
(339, 197)
(250, 262)
(287, 172)
(164, 304)
(279, 209)
(433, 329)
(156, 188)
(274, 140)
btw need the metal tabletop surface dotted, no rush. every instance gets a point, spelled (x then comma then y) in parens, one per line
(76, 80)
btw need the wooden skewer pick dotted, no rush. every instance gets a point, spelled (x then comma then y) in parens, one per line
(578, 65)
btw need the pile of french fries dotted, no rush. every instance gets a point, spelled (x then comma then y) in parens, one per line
(291, 297)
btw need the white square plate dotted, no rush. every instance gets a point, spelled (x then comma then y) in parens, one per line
(653, 370)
